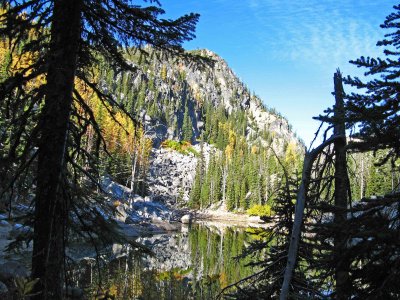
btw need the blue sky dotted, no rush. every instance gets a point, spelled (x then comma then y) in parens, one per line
(286, 51)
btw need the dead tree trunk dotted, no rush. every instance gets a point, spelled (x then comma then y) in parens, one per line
(341, 182)
(299, 212)
(51, 206)
(340, 193)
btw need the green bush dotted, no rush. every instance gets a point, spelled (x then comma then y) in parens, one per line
(183, 147)
(260, 210)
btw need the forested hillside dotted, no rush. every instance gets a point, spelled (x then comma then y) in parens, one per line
(116, 142)
(181, 102)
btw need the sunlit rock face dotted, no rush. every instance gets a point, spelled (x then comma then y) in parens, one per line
(171, 173)
(164, 91)
(165, 86)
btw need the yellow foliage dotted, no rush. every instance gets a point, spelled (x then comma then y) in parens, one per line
(292, 158)
(229, 151)
(113, 290)
(223, 279)
(120, 134)
(260, 210)
(13, 61)
(254, 149)
(231, 143)
(232, 138)
(163, 72)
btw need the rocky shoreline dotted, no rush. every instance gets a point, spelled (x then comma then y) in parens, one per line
(136, 217)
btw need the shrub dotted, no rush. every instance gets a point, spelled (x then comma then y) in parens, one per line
(260, 210)
(183, 147)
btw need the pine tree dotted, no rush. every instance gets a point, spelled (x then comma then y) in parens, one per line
(70, 34)
(243, 202)
(379, 180)
(195, 194)
(230, 195)
(216, 179)
(163, 72)
(269, 248)
(376, 111)
(187, 124)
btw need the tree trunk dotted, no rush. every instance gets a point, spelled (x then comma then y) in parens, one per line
(134, 157)
(296, 230)
(341, 189)
(299, 213)
(224, 178)
(51, 206)
(362, 177)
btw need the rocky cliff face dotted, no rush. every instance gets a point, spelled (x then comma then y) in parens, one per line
(171, 173)
(163, 87)
(220, 86)
(184, 100)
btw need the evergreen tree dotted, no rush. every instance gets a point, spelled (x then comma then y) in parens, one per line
(70, 35)
(375, 112)
(243, 202)
(216, 180)
(270, 247)
(187, 124)
(379, 180)
(230, 194)
(195, 194)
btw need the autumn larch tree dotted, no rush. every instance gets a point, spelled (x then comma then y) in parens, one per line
(70, 37)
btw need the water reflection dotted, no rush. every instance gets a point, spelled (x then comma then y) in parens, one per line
(195, 264)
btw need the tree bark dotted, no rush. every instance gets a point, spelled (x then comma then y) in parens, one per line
(51, 205)
(340, 194)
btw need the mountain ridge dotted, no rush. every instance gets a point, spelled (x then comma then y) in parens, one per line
(246, 145)
(162, 86)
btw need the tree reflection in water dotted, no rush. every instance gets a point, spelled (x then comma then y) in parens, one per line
(195, 264)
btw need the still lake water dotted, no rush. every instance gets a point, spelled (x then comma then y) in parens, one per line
(193, 264)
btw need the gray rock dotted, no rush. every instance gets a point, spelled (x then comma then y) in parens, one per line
(129, 231)
(115, 190)
(121, 214)
(133, 219)
(19, 229)
(4, 223)
(171, 173)
(12, 269)
(3, 288)
(186, 219)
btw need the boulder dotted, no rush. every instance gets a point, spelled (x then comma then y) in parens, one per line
(133, 219)
(186, 219)
(3, 289)
(115, 190)
(4, 223)
(12, 269)
(128, 231)
(165, 225)
(121, 214)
